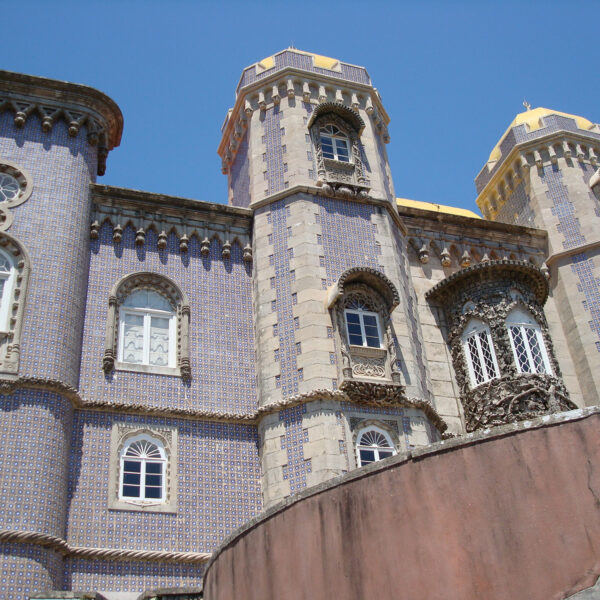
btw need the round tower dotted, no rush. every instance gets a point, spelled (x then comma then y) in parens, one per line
(54, 140)
(541, 174)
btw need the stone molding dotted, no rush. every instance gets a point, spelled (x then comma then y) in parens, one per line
(77, 105)
(113, 554)
(372, 278)
(165, 215)
(176, 298)
(347, 113)
(251, 418)
(10, 341)
(521, 271)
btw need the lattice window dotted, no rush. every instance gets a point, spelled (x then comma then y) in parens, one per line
(479, 352)
(527, 343)
(373, 444)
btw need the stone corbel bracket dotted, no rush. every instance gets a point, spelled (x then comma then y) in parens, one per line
(165, 215)
(80, 107)
(370, 277)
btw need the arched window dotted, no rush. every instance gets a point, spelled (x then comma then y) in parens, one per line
(373, 444)
(147, 330)
(527, 343)
(147, 327)
(143, 470)
(334, 143)
(362, 325)
(479, 352)
(7, 281)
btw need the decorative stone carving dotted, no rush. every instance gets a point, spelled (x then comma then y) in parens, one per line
(175, 297)
(367, 366)
(488, 292)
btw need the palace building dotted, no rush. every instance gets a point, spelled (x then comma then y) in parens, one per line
(173, 370)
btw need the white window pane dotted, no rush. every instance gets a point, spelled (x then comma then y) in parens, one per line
(133, 338)
(488, 358)
(147, 299)
(159, 341)
(536, 352)
(520, 350)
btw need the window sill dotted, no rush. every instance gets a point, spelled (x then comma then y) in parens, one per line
(338, 164)
(368, 351)
(151, 369)
(163, 507)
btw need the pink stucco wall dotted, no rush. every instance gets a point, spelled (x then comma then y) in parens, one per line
(512, 514)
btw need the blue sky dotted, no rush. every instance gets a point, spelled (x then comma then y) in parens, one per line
(452, 75)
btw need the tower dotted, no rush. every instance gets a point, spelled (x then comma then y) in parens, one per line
(338, 343)
(540, 174)
(54, 140)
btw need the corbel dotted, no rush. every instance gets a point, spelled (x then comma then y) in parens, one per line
(95, 230)
(580, 153)
(593, 156)
(248, 108)
(140, 233)
(537, 157)
(552, 153)
(205, 244)
(290, 89)
(306, 92)
(117, 233)
(261, 101)
(566, 150)
(275, 94)
(369, 106)
(339, 97)
(184, 241)
(226, 251)
(322, 94)
(354, 102)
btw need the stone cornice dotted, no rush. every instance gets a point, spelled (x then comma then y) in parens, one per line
(571, 251)
(77, 105)
(317, 191)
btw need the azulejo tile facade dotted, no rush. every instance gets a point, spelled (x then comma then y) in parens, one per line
(255, 340)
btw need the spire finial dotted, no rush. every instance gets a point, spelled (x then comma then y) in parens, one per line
(526, 105)
(292, 45)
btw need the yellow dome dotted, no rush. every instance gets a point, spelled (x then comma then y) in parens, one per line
(533, 120)
(439, 208)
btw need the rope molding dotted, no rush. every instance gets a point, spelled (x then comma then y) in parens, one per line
(62, 546)
(251, 418)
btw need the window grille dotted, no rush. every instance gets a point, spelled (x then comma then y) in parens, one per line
(479, 352)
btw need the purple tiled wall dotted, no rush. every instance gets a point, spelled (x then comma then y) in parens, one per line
(221, 325)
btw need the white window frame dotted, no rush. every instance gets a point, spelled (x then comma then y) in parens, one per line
(523, 320)
(475, 329)
(147, 314)
(142, 500)
(361, 313)
(335, 138)
(374, 448)
(8, 279)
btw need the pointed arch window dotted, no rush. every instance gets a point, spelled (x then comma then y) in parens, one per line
(147, 330)
(334, 143)
(527, 343)
(143, 469)
(373, 444)
(479, 352)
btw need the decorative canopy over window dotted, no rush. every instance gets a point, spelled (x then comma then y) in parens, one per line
(527, 343)
(373, 444)
(479, 352)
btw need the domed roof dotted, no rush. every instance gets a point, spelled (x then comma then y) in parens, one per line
(533, 119)
(439, 208)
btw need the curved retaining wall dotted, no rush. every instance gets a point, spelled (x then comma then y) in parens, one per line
(512, 513)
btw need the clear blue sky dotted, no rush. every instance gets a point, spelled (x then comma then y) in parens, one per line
(452, 75)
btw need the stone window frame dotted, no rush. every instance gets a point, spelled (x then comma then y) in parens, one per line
(345, 178)
(10, 339)
(121, 434)
(362, 425)
(529, 322)
(379, 295)
(23, 179)
(178, 300)
(473, 328)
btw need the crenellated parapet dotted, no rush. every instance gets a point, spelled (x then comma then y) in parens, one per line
(80, 107)
(167, 215)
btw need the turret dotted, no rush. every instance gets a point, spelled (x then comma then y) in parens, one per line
(542, 173)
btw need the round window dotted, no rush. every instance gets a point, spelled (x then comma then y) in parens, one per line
(9, 187)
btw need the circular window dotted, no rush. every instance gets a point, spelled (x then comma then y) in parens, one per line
(15, 185)
(9, 187)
